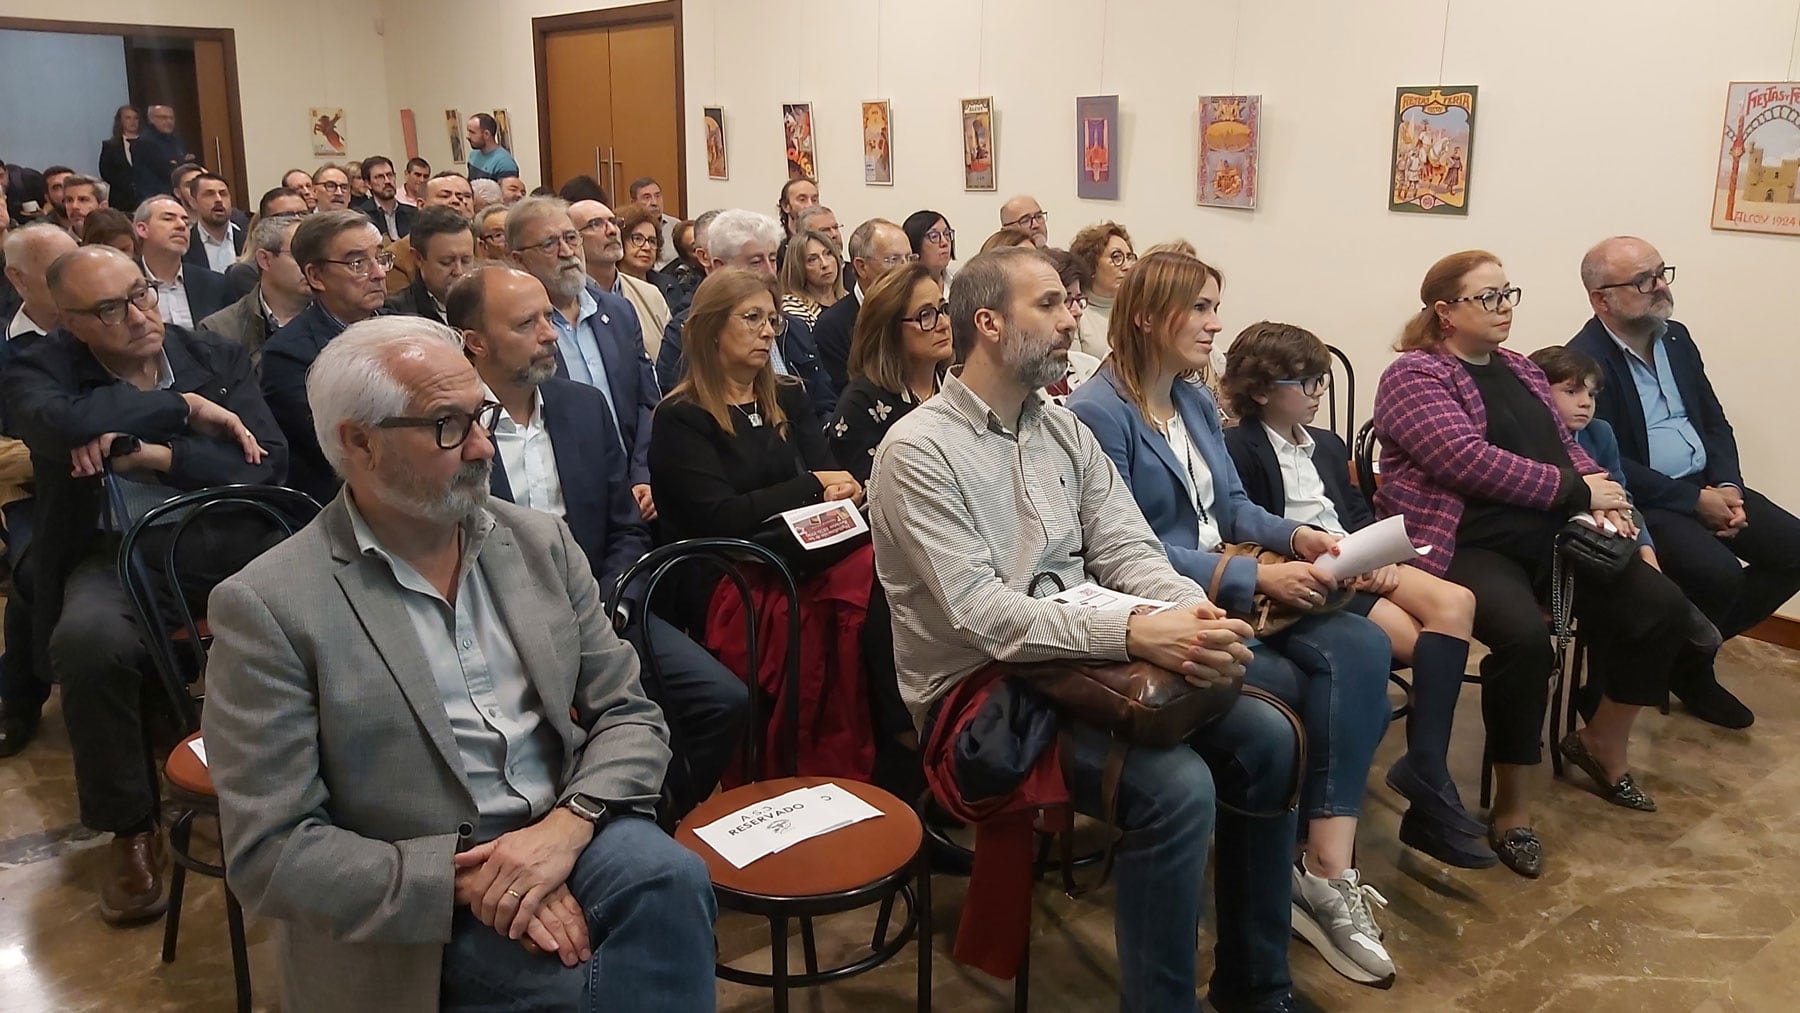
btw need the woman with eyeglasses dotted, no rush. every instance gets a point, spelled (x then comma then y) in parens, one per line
(1162, 433)
(898, 354)
(934, 243)
(1105, 249)
(811, 276)
(1476, 458)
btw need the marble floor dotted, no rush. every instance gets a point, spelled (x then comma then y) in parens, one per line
(1689, 909)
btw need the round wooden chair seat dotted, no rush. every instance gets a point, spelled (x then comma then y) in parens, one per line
(842, 861)
(185, 771)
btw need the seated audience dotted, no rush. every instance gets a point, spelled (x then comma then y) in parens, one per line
(599, 341)
(444, 251)
(1105, 253)
(446, 189)
(1731, 549)
(180, 188)
(490, 232)
(486, 193)
(749, 240)
(876, 247)
(1076, 279)
(603, 248)
(217, 239)
(556, 451)
(52, 205)
(1275, 377)
(280, 294)
(820, 218)
(359, 187)
(1024, 212)
(647, 193)
(116, 158)
(1163, 435)
(1474, 456)
(957, 556)
(110, 227)
(412, 830)
(512, 190)
(637, 230)
(340, 255)
(331, 185)
(811, 276)
(897, 361)
(80, 195)
(934, 241)
(300, 181)
(579, 188)
(185, 294)
(280, 200)
(685, 272)
(189, 406)
(1008, 237)
(412, 191)
(392, 218)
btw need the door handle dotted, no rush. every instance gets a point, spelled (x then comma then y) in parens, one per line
(218, 156)
(599, 173)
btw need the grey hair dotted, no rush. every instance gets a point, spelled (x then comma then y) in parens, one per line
(485, 190)
(528, 212)
(271, 232)
(813, 212)
(102, 189)
(353, 380)
(984, 283)
(22, 241)
(148, 207)
(862, 241)
(733, 230)
(702, 223)
(482, 216)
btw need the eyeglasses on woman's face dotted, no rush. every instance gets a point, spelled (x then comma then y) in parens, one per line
(452, 427)
(941, 236)
(1311, 386)
(1493, 299)
(756, 320)
(928, 316)
(1121, 258)
(641, 240)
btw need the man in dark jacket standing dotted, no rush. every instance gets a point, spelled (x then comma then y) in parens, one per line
(187, 408)
(156, 154)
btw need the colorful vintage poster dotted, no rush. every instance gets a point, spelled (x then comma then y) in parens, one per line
(453, 125)
(1757, 188)
(328, 132)
(978, 143)
(1434, 134)
(1097, 147)
(503, 128)
(878, 143)
(1230, 131)
(797, 130)
(715, 142)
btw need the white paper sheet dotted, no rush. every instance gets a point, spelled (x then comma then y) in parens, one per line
(823, 524)
(781, 822)
(1093, 596)
(1380, 544)
(199, 748)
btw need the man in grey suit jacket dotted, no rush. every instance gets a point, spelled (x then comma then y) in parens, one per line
(435, 764)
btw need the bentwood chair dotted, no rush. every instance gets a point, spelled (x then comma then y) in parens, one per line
(1344, 388)
(154, 581)
(872, 862)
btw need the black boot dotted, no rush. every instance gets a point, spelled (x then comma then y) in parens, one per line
(18, 726)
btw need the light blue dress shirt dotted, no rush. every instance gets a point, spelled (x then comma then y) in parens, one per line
(1676, 449)
(579, 344)
(510, 753)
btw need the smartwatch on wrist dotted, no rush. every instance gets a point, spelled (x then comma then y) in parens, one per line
(588, 808)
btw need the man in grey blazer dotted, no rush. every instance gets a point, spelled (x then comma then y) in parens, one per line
(436, 767)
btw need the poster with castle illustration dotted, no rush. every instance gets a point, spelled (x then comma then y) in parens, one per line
(1434, 137)
(1230, 129)
(1755, 188)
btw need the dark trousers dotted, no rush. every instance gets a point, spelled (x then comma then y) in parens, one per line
(20, 685)
(1733, 595)
(706, 706)
(97, 651)
(1635, 628)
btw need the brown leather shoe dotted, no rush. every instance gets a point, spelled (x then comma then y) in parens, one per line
(135, 888)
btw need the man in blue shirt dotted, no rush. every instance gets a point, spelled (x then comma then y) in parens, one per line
(487, 159)
(1681, 460)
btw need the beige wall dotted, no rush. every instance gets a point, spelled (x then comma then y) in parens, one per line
(291, 56)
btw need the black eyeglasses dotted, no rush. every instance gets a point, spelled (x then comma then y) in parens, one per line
(756, 319)
(1646, 282)
(453, 428)
(639, 239)
(113, 312)
(1076, 302)
(928, 316)
(1494, 298)
(334, 187)
(1120, 258)
(1029, 221)
(361, 266)
(1311, 386)
(944, 235)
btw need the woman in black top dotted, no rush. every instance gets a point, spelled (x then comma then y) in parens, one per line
(116, 155)
(898, 354)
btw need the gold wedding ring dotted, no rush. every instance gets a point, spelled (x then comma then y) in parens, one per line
(515, 894)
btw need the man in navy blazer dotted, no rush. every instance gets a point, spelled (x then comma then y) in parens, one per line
(556, 450)
(749, 239)
(1681, 459)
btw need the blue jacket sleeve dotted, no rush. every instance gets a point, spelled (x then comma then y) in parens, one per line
(669, 364)
(1602, 445)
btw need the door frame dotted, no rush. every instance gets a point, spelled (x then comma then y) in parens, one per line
(226, 37)
(662, 11)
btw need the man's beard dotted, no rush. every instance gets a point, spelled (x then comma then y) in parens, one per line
(1653, 316)
(466, 493)
(1032, 360)
(566, 284)
(537, 373)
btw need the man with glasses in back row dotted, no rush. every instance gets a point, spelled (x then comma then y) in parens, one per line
(604, 247)
(1024, 212)
(876, 246)
(1681, 461)
(340, 254)
(172, 410)
(279, 295)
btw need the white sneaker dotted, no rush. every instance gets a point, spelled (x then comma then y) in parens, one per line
(1334, 916)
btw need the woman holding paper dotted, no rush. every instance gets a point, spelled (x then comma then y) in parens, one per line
(1275, 375)
(1162, 433)
(898, 353)
(1475, 458)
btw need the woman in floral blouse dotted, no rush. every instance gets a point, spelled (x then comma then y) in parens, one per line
(898, 354)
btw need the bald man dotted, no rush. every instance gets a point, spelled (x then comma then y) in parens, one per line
(1734, 552)
(603, 247)
(1023, 212)
(29, 253)
(875, 246)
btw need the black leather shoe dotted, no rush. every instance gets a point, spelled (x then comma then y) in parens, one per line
(1712, 703)
(1623, 793)
(1437, 802)
(1519, 850)
(18, 726)
(1422, 832)
(1280, 1004)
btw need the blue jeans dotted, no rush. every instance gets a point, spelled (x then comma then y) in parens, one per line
(650, 910)
(1167, 807)
(1338, 684)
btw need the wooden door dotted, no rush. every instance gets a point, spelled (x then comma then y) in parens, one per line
(644, 141)
(218, 144)
(578, 93)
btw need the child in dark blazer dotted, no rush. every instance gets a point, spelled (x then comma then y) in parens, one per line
(1275, 375)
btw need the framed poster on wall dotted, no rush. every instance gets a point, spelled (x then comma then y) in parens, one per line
(878, 143)
(1434, 140)
(1097, 147)
(797, 140)
(716, 165)
(978, 143)
(1757, 185)
(1230, 135)
(453, 124)
(328, 132)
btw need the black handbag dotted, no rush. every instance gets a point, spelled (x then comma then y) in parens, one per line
(1594, 553)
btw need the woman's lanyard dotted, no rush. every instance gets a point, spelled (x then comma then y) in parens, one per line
(1187, 459)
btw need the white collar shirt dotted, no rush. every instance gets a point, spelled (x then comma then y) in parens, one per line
(1307, 501)
(529, 459)
(171, 298)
